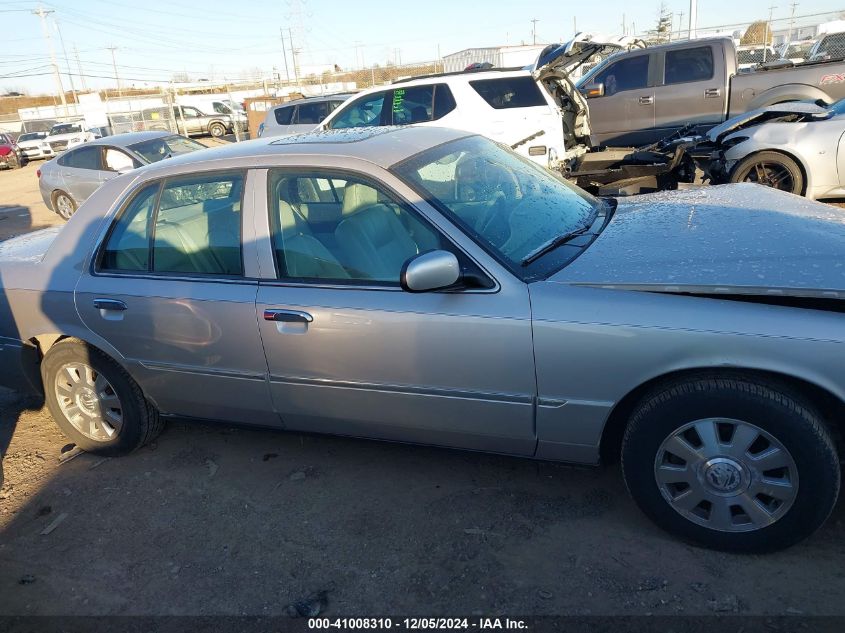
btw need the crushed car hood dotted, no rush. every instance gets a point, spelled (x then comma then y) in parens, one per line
(806, 108)
(29, 248)
(563, 57)
(729, 239)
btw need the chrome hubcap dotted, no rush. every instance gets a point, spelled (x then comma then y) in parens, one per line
(88, 402)
(727, 475)
(64, 205)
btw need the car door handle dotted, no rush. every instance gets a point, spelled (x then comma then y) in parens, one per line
(113, 305)
(712, 93)
(287, 316)
(647, 100)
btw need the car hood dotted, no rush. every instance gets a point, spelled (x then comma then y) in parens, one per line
(561, 58)
(805, 109)
(32, 143)
(735, 239)
(65, 137)
(29, 248)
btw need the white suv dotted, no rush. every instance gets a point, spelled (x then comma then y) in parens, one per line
(536, 110)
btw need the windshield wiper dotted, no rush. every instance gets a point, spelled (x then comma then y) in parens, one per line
(553, 243)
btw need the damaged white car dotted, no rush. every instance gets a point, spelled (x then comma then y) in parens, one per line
(794, 147)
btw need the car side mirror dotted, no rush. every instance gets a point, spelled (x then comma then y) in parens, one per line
(592, 91)
(430, 271)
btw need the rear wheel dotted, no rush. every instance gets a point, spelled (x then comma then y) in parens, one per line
(731, 463)
(64, 205)
(95, 403)
(771, 169)
(217, 130)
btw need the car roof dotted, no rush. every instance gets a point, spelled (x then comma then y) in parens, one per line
(337, 96)
(383, 146)
(129, 138)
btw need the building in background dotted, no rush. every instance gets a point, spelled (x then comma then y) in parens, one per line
(499, 56)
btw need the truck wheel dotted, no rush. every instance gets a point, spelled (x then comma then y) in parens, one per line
(63, 204)
(731, 463)
(771, 169)
(95, 403)
(217, 130)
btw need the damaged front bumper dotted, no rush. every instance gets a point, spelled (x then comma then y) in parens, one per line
(19, 366)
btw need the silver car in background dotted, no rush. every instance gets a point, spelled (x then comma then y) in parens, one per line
(68, 180)
(301, 115)
(425, 285)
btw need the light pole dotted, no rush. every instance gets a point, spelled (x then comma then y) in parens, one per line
(41, 13)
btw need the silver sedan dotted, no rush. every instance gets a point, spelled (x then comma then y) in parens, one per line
(425, 285)
(66, 181)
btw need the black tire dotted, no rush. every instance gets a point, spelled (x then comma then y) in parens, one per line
(217, 130)
(140, 420)
(770, 407)
(771, 169)
(64, 210)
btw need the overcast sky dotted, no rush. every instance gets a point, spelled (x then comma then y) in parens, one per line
(219, 39)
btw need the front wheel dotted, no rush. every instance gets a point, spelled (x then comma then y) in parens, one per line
(731, 463)
(217, 130)
(94, 402)
(771, 169)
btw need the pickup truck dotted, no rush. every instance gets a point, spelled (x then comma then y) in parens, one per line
(641, 96)
(187, 120)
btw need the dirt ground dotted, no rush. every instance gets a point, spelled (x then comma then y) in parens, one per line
(213, 520)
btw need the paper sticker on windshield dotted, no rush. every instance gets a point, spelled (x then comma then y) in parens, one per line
(833, 78)
(398, 99)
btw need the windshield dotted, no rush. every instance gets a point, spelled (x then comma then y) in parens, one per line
(509, 204)
(156, 149)
(31, 136)
(66, 128)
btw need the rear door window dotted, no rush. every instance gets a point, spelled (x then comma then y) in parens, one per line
(187, 225)
(83, 158)
(311, 113)
(689, 64)
(626, 74)
(284, 115)
(509, 92)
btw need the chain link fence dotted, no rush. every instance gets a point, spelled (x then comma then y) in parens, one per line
(769, 40)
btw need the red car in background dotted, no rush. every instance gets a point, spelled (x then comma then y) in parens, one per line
(10, 154)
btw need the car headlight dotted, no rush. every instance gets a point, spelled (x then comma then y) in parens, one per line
(75, 139)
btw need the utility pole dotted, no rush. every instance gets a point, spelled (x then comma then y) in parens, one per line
(693, 18)
(680, 25)
(293, 53)
(79, 68)
(534, 29)
(67, 65)
(284, 54)
(114, 65)
(793, 6)
(41, 13)
(768, 30)
(574, 25)
(624, 32)
(358, 46)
